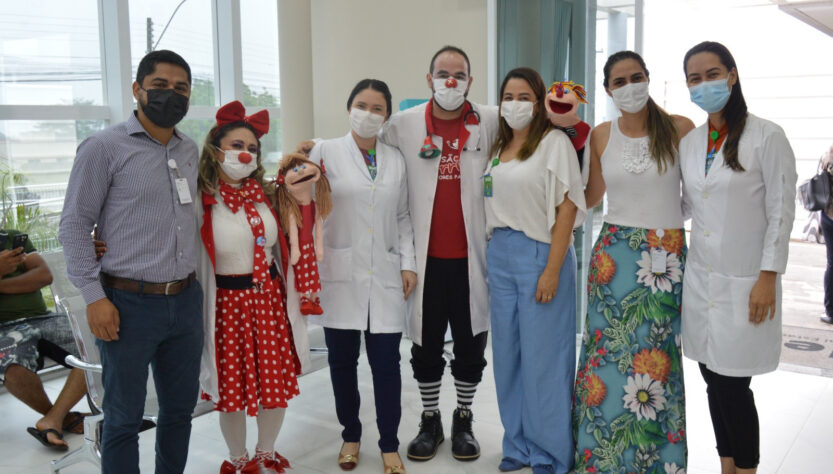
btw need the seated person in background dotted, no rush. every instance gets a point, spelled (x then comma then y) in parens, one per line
(28, 332)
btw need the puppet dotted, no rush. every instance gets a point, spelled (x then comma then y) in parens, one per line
(303, 202)
(563, 99)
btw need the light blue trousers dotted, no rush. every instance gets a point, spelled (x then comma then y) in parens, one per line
(534, 348)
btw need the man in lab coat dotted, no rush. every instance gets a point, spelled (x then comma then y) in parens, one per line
(446, 143)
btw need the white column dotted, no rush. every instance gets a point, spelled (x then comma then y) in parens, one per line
(639, 26)
(114, 28)
(228, 63)
(295, 49)
(491, 53)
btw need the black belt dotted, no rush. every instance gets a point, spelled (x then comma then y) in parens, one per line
(242, 282)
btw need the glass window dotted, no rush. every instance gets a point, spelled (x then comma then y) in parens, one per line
(261, 74)
(196, 129)
(35, 161)
(189, 34)
(50, 53)
(261, 71)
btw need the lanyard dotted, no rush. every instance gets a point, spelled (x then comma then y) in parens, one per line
(713, 135)
(370, 158)
(487, 178)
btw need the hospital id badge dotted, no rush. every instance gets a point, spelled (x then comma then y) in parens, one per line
(183, 190)
(658, 258)
(487, 186)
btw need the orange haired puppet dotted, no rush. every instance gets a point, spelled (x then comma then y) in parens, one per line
(563, 99)
(302, 215)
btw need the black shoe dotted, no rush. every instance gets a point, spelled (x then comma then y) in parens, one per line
(463, 445)
(826, 319)
(426, 443)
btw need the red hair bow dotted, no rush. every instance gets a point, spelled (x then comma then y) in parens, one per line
(234, 112)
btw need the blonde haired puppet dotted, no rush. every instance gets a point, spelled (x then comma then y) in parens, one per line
(303, 202)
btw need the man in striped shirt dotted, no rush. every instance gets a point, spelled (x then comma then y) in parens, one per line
(137, 180)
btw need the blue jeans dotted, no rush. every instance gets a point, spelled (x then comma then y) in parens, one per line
(383, 354)
(534, 349)
(166, 333)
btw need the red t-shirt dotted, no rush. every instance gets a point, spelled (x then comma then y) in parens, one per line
(448, 230)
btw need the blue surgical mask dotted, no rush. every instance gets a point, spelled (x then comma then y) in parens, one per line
(711, 96)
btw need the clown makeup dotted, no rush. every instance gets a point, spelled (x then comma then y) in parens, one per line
(241, 139)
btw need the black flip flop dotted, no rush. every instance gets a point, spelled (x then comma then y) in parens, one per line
(77, 419)
(40, 435)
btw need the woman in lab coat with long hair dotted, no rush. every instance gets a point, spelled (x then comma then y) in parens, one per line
(739, 187)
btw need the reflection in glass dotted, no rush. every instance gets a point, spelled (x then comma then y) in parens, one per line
(35, 160)
(189, 34)
(51, 56)
(261, 71)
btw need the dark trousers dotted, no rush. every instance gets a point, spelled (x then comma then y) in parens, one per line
(445, 300)
(734, 417)
(383, 355)
(827, 232)
(166, 333)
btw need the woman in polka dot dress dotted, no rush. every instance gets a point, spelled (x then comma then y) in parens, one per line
(249, 359)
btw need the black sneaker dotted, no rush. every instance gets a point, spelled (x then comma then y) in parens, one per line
(463, 445)
(426, 443)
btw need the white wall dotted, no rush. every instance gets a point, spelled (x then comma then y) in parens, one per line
(391, 40)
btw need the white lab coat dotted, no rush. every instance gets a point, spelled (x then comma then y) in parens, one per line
(741, 224)
(406, 130)
(368, 239)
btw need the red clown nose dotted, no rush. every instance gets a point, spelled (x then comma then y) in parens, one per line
(451, 83)
(244, 158)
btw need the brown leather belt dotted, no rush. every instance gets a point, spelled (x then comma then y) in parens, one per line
(134, 286)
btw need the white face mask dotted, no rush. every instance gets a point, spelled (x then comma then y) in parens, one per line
(365, 123)
(450, 98)
(517, 114)
(234, 168)
(631, 97)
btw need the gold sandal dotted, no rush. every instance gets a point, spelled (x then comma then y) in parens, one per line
(348, 461)
(393, 469)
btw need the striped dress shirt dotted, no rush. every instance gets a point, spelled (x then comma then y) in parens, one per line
(122, 180)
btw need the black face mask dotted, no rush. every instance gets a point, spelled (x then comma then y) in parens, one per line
(164, 107)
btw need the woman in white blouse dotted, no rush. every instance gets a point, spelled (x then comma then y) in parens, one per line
(368, 270)
(739, 186)
(534, 199)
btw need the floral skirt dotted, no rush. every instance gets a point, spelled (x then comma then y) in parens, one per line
(629, 403)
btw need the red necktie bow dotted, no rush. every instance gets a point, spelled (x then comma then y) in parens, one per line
(234, 112)
(249, 191)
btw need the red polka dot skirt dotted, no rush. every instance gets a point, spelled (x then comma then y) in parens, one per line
(306, 270)
(256, 359)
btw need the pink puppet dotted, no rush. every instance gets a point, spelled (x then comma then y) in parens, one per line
(302, 213)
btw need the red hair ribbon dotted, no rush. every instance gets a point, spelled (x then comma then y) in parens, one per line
(281, 179)
(234, 112)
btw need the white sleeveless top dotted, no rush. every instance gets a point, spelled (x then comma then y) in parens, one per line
(637, 195)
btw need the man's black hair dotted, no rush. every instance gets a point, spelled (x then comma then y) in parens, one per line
(451, 49)
(148, 63)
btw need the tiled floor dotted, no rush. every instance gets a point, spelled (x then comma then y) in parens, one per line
(796, 418)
